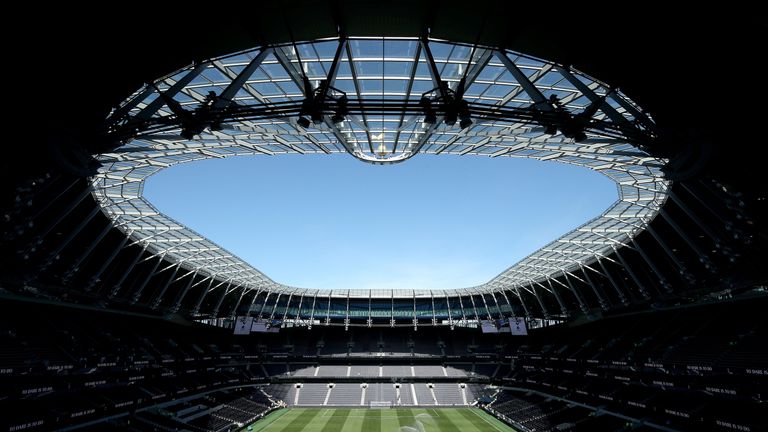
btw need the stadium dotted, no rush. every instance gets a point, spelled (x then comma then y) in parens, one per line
(650, 316)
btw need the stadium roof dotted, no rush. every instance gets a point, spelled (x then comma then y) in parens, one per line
(376, 70)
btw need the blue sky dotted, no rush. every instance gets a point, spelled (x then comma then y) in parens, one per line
(334, 222)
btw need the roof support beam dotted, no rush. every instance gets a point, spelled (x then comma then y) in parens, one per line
(554, 291)
(263, 306)
(598, 292)
(287, 306)
(582, 304)
(175, 306)
(227, 96)
(434, 313)
(118, 285)
(274, 308)
(662, 279)
(638, 283)
(297, 318)
(463, 314)
(312, 312)
(619, 292)
(215, 312)
(605, 107)
(96, 276)
(253, 301)
(522, 303)
(496, 302)
(346, 313)
(448, 305)
(233, 311)
(704, 227)
(152, 108)
(137, 292)
(509, 303)
(538, 98)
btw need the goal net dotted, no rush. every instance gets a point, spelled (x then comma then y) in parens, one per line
(380, 404)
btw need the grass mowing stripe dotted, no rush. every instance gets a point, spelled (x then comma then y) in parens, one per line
(372, 420)
(403, 417)
(354, 422)
(281, 422)
(449, 420)
(477, 422)
(302, 420)
(380, 420)
(268, 420)
(338, 417)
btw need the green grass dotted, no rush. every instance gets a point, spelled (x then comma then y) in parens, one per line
(379, 420)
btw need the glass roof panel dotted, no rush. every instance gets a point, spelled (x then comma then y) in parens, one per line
(388, 68)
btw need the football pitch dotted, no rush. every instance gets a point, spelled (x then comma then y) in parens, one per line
(379, 420)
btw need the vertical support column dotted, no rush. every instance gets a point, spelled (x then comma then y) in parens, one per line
(224, 293)
(703, 258)
(204, 294)
(640, 286)
(474, 307)
(253, 301)
(619, 292)
(158, 298)
(137, 293)
(263, 306)
(485, 304)
(582, 304)
(287, 306)
(116, 288)
(509, 303)
(600, 298)
(434, 313)
(95, 278)
(704, 227)
(369, 321)
(53, 255)
(274, 308)
(312, 312)
(74, 267)
(498, 307)
(297, 318)
(666, 285)
(463, 314)
(392, 311)
(38, 239)
(233, 312)
(544, 309)
(666, 248)
(563, 308)
(522, 303)
(182, 293)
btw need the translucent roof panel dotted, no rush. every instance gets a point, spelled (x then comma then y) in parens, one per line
(377, 71)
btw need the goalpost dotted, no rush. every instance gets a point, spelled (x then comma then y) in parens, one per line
(380, 404)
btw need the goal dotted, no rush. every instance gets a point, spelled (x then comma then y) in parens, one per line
(380, 404)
